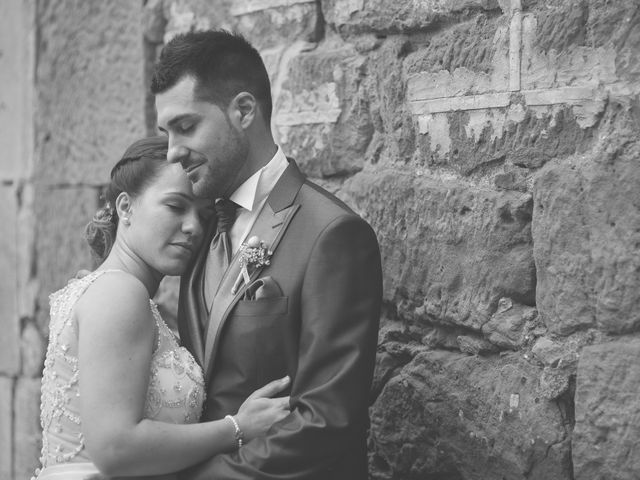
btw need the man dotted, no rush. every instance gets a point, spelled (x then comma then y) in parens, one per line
(291, 287)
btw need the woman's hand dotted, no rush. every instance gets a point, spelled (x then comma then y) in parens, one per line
(259, 411)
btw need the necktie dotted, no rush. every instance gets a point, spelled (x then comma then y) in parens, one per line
(220, 252)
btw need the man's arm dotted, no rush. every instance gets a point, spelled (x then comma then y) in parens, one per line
(341, 298)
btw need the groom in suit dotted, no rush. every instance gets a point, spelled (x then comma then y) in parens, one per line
(288, 281)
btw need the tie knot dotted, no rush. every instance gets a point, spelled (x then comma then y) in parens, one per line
(226, 211)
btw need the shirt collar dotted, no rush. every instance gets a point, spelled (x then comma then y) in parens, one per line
(258, 186)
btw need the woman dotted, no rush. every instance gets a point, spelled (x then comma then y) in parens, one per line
(120, 397)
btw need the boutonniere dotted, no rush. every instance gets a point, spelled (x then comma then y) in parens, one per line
(254, 254)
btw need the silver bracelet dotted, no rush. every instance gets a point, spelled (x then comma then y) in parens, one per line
(239, 436)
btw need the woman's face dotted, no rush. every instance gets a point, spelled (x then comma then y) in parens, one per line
(165, 228)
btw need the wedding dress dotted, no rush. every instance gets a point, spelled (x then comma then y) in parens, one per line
(175, 393)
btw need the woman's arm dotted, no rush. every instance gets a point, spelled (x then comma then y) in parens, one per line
(116, 337)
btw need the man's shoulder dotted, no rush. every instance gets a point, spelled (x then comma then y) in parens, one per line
(315, 198)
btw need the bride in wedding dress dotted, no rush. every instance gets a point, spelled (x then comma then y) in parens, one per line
(120, 396)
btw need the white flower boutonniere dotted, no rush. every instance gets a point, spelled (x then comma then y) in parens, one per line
(254, 254)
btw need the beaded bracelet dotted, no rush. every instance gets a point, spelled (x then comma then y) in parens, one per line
(239, 436)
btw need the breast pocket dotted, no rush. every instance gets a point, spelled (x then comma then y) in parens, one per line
(263, 327)
(264, 307)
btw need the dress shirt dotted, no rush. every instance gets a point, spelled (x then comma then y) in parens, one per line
(252, 195)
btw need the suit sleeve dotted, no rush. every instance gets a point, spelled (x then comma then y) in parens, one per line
(340, 305)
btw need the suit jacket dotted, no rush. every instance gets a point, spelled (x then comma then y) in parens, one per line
(318, 323)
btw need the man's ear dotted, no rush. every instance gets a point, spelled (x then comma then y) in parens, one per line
(243, 109)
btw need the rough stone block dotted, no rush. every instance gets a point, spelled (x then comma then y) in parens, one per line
(33, 346)
(28, 435)
(321, 111)
(394, 131)
(449, 251)
(16, 77)
(186, 15)
(267, 23)
(90, 88)
(554, 51)
(468, 58)
(606, 437)
(591, 41)
(509, 326)
(360, 16)
(447, 415)
(586, 230)
(62, 214)
(6, 428)
(482, 143)
(9, 318)
(617, 24)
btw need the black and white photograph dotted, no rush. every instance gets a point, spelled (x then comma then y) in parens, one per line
(320, 239)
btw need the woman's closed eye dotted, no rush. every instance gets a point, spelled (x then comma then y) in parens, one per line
(176, 207)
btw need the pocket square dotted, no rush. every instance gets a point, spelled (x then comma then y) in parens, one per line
(265, 287)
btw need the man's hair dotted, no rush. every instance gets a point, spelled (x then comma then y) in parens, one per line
(222, 63)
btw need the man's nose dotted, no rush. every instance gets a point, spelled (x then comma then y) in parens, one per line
(177, 153)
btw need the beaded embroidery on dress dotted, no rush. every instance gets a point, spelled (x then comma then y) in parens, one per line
(176, 383)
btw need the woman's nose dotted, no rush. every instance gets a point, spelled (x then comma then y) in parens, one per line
(192, 225)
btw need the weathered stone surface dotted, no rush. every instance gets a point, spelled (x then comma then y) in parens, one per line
(555, 54)
(583, 41)
(451, 416)
(510, 325)
(27, 427)
(471, 118)
(449, 250)
(90, 103)
(62, 214)
(358, 16)
(16, 96)
(272, 22)
(33, 346)
(394, 135)
(553, 382)
(586, 230)
(9, 319)
(26, 252)
(563, 352)
(396, 349)
(468, 58)
(474, 345)
(186, 15)
(548, 352)
(154, 21)
(321, 112)
(606, 437)
(617, 24)
(6, 428)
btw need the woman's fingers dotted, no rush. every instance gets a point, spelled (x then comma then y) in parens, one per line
(271, 388)
(285, 403)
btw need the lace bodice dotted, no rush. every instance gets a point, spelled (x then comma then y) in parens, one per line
(176, 385)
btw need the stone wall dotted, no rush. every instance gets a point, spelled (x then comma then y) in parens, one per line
(494, 145)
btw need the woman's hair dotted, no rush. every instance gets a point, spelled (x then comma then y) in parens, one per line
(136, 170)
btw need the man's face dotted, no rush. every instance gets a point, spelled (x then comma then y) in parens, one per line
(202, 138)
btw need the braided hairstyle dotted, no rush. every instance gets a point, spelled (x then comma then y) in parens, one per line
(137, 169)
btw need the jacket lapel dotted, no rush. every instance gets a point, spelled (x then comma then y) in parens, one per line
(194, 308)
(269, 227)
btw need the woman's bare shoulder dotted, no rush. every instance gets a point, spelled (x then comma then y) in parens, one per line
(116, 297)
